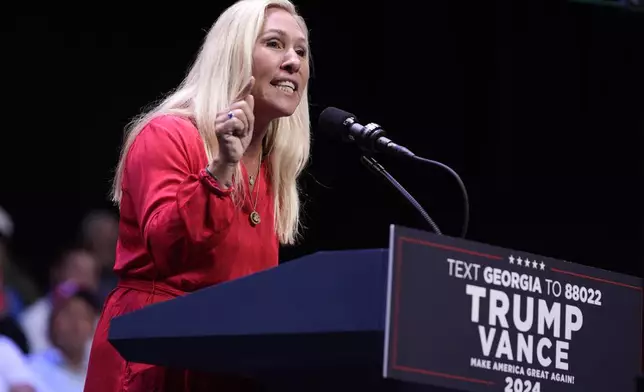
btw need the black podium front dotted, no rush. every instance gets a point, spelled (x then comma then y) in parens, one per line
(316, 322)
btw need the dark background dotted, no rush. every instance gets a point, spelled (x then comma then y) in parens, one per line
(538, 105)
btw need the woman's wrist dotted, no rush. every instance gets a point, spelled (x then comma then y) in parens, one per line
(222, 172)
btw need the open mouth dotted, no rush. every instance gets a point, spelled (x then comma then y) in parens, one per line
(285, 85)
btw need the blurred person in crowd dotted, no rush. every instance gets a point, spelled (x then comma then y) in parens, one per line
(9, 326)
(63, 366)
(99, 232)
(207, 182)
(15, 373)
(20, 290)
(77, 265)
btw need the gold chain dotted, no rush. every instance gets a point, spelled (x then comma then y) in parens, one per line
(254, 217)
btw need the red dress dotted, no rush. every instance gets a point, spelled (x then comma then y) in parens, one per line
(178, 232)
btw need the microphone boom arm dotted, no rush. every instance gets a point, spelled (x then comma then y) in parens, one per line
(376, 167)
(466, 200)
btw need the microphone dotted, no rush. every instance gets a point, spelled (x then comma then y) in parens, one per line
(370, 137)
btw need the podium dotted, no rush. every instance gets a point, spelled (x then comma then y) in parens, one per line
(364, 320)
(318, 318)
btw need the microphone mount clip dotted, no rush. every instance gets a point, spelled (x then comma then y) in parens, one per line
(368, 135)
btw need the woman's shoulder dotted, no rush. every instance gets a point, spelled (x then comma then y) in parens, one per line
(172, 127)
(167, 137)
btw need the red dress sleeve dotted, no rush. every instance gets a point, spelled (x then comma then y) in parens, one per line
(175, 201)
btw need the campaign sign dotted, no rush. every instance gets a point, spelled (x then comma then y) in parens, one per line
(473, 317)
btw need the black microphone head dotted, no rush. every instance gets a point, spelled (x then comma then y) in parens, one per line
(332, 120)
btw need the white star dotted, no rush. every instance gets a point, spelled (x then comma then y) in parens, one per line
(511, 258)
(519, 261)
(543, 266)
(534, 264)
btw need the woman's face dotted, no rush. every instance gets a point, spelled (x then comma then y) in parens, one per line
(280, 65)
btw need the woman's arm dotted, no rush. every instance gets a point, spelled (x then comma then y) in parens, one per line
(175, 200)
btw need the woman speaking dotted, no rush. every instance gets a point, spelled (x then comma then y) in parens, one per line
(207, 180)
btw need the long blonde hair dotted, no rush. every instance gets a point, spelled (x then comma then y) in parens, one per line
(220, 71)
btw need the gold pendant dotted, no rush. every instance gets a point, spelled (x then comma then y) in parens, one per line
(255, 218)
(251, 180)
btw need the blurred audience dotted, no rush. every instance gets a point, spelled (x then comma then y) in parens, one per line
(99, 232)
(15, 373)
(20, 290)
(9, 326)
(76, 265)
(63, 366)
(45, 340)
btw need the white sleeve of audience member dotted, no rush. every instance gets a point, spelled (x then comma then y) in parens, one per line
(14, 368)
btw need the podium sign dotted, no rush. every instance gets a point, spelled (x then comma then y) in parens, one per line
(474, 317)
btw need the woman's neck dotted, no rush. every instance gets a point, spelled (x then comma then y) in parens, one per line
(252, 159)
(255, 146)
(253, 150)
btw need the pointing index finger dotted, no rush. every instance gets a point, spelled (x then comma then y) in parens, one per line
(247, 89)
(251, 101)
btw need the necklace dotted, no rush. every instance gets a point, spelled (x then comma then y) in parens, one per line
(251, 178)
(254, 216)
